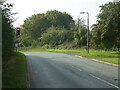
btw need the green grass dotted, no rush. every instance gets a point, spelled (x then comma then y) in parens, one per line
(110, 60)
(15, 72)
(107, 56)
(50, 50)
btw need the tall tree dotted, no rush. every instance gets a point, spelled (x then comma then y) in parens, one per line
(38, 24)
(80, 35)
(7, 31)
(60, 19)
(33, 28)
(109, 25)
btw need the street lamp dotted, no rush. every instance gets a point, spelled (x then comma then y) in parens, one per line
(87, 29)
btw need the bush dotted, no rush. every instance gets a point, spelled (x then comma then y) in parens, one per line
(55, 36)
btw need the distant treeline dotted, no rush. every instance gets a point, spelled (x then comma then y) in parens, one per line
(56, 29)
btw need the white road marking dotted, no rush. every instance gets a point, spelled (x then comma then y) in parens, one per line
(79, 56)
(95, 59)
(105, 81)
(79, 69)
(76, 68)
(26, 54)
(105, 62)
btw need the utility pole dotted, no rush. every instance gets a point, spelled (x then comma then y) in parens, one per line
(87, 30)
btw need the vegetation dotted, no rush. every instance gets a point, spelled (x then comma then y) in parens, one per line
(13, 64)
(15, 72)
(37, 26)
(80, 35)
(7, 32)
(56, 29)
(55, 36)
(106, 32)
(107, 56)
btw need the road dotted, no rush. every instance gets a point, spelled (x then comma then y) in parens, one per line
(62, 70)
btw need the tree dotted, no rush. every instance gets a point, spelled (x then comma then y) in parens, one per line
(80, 35)
(7, 31)
(108, 25)
(59, 19)
(36, 25)
(33, 28)
(55, 36)
(96, 32)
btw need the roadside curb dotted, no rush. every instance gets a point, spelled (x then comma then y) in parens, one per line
(101, 61)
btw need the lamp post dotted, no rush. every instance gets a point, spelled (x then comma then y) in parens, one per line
(87, 29)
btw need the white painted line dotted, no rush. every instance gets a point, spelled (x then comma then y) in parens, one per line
(26, 54)
(76, 68)
(72, 66)
(95, 59)
(105, 62)
(79, 69)
(79, 56)
(105, 81)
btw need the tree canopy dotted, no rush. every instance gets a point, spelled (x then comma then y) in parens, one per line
(7, 31)
(107, 30)
(35, 26)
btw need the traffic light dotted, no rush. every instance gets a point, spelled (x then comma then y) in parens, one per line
(18, 32)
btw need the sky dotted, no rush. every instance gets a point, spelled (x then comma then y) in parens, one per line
(27, 8)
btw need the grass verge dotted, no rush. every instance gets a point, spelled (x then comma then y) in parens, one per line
(106, 56)
(51, 50)
(15, 72)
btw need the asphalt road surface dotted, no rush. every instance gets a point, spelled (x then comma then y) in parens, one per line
(62, 70)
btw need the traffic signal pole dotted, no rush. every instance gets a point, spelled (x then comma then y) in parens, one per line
(17, 36)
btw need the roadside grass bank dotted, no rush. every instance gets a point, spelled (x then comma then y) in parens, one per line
(14, 73)
(50, 50)
(106, 56)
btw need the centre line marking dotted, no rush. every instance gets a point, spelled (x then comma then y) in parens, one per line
(105, 81)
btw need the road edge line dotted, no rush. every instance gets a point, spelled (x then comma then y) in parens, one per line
(105, 81)
(101, 61)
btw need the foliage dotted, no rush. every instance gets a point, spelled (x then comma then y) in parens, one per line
(56, 28)
(80, 35)
(34, 27)
(37, 26)
(7, 31)
(55, 36)
(59, 19)
(107, 27)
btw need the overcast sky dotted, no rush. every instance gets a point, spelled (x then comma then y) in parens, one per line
(26, 8)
